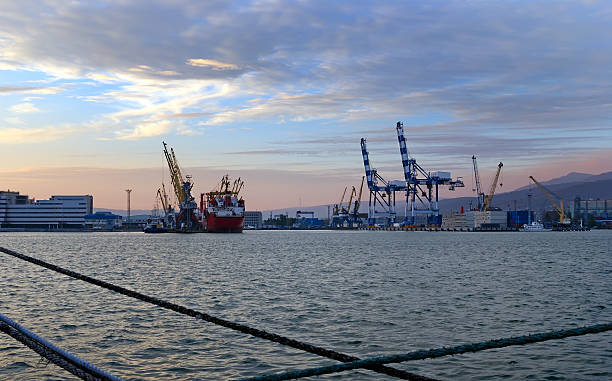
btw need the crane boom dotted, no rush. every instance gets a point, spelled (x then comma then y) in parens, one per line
(478, 187)
(350, 202)
(489, 197)
(162, 200)
(342, 199)
(358, 200)
(175, 174)
(548, 194)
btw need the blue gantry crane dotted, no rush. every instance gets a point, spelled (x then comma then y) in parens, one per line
(382, 192)
(422, 186)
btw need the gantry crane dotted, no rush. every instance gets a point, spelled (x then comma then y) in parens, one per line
(489, 198)
(420, 186)
(549, 195)
(382, 194)
(187, 219)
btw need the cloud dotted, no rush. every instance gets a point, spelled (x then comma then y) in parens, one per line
(497, 73)
(211, 64)
(145, 130)
(24, 108)
(34, 135)
(33, 90)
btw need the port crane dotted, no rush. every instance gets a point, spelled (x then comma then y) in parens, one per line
(549, 196)
(187, 219)
(422, 186)
(484, 200)
(349, 215)
(338, 206)
(382, 192)
(478, 189)
(489, 198)
(355, 220)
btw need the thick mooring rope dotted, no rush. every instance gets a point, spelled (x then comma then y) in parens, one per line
(56, 355)
(320, 351)
(434, 353)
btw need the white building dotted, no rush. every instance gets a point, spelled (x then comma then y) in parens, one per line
(58, 212)
(491, 220)
(459, 221)
(253, 220)
(103, 221)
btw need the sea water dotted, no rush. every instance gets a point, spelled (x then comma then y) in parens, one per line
(358, 292)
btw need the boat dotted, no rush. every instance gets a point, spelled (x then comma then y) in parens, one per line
(155, 225)
(223, 209)
(534, 227)
(154, 228)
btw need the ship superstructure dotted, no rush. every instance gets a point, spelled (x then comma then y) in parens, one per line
(222, 208)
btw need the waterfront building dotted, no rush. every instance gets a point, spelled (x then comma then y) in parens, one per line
(57, 213)
(517, 218)
(579, 208)
(253, 220)
(103, 221)
(458, 221)
(491, 220)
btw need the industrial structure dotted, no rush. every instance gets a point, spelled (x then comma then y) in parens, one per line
(421, 184)
(188, 217)
(348, 217)
(421, 189)
(550, 196)
(484, 200)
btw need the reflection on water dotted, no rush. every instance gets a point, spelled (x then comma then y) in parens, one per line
(362, 293)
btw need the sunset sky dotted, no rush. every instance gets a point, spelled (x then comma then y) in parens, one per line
(280, 93)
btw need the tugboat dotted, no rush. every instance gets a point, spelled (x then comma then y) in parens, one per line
(223, 210)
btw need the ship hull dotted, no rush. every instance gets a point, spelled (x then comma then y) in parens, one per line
(231, 224)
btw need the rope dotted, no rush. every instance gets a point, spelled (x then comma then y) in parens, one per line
(434, 353)
(56, 355)
(222, 322)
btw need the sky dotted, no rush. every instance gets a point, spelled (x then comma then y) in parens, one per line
(279, 93)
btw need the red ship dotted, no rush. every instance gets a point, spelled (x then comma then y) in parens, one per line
(223, 211)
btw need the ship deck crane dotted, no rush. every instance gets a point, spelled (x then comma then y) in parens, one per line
(489, 198)
(549, 195)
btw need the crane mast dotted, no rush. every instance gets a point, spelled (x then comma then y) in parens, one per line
(489, 197)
